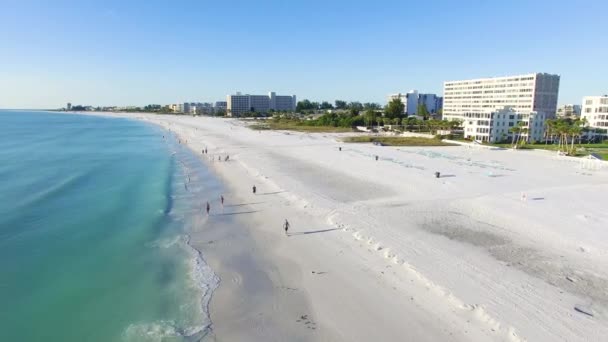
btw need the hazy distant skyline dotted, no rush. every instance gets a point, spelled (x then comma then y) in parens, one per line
(137, 53)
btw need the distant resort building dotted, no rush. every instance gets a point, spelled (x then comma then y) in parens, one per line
(571, 111)
(595, 111)
(412, 99)
(220, 106)
(238, 104)
(490, 107)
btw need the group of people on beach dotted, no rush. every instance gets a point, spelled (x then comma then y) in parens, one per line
(286, 224)
(209, 205)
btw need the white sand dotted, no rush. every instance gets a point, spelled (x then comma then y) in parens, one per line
(410, 257)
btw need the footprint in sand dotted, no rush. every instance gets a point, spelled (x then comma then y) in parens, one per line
(307, 322)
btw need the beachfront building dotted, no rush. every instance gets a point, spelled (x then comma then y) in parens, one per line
(220, 106)
(239, 104)
(569, 111)
(412, 99)
(204, 108)
(481, 104)
(595, 111)
(499, 125)
(69, 106)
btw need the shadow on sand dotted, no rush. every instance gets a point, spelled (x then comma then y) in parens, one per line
(242, 204)
(271, 193)
(238, 213)
(313, 232)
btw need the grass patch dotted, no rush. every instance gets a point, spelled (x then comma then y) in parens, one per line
(580, 150)
(396, 141)
(279, 126)
(604, 155)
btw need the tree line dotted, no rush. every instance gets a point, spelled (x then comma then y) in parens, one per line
(307, 106)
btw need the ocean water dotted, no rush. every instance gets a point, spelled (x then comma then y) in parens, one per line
(94, 221)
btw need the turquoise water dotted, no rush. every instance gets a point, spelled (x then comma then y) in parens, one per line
(93, 220)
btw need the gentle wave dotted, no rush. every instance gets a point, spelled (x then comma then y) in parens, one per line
(201, 279)
(204, 279)
(54, 190)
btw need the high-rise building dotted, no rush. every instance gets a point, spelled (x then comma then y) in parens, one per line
(412, 99)
(239, 104)
(569, 111)
(479, 102)
(595, 111)
(186, 107)
(69, 106)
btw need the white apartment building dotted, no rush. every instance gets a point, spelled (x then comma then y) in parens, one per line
(495, 126)
(239, 104)
(595, 111)
(412, 99)
(531, 97)
(569, 111)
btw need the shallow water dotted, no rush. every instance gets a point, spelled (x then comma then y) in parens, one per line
(94, 221)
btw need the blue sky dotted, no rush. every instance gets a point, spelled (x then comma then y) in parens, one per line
(140, 52)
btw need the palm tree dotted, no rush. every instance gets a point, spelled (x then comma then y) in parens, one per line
(514, 132)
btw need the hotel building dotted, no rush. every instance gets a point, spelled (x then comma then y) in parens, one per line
(595, 111)
(239, 104)
(488, 107)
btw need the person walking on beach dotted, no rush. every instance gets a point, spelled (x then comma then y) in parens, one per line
(219, 158)
(222, 199)
(254, 189)
(339, 148)
(227, 157)
(208, 208)
(286, 226)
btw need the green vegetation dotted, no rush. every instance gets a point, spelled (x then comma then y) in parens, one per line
(396, 141)
(394, 109)
(325, 123)
(422, 111)
(564, 130)
(308, 107)
(296, 126)
(563, 134)
(580, 150)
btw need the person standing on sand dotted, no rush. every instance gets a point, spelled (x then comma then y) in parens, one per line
(222, 199)
(208, 208)
(286, 226)
(254, 189)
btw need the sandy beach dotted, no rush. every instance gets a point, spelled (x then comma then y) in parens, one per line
(505, 246)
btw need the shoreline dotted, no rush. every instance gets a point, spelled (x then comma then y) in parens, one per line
(359, 274)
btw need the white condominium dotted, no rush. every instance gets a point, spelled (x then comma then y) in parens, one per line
(239, 104)
(412, 99)
(595, 111)
(477, 102)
